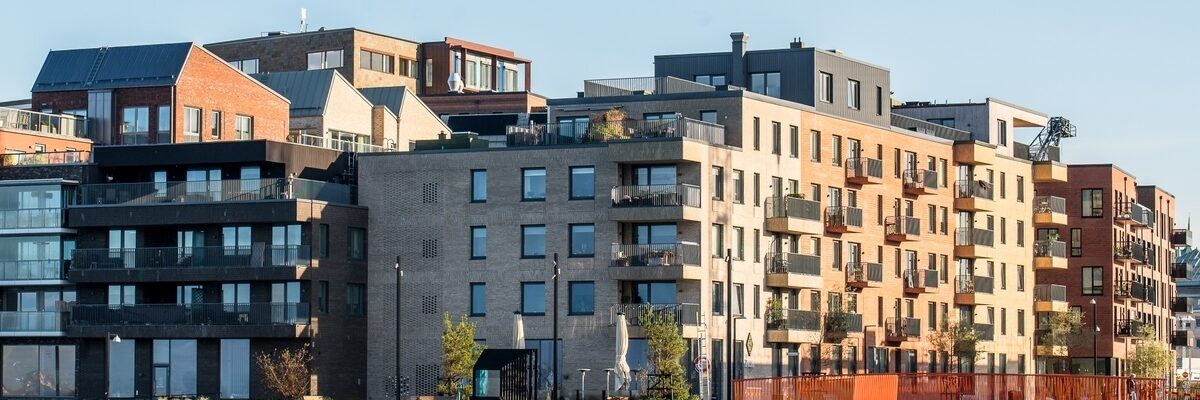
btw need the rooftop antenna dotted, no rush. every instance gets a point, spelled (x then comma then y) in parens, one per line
(1055, 130)
(303, 19)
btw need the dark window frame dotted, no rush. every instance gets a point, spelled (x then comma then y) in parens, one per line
(571, 297)
(471, 299)
(526, 256)
(571, 183)
(523, 304)
(545, 183)
(471, 246)
(571, 241)
(475, 182)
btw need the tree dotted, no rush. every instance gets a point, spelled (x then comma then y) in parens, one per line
(665, 350)
(1062, 329)
(961, 341)
(1151, 357)
(459, 353)
(286, 372)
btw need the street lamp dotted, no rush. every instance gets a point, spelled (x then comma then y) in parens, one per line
(554, 340)
(729, 328)
(109, 338)
(1095, 338)
(399, 276)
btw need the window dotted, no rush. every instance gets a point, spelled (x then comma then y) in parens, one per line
(739, 244)
(243, 127)
(214, 128)
(946, 122)
(1002, 132)
(120, 367)
(428, 72)
(323, 241)
(1020, 278)
(135, 125)
(1003, 185)
(853, 96)
(765, 83)
(174, 367)
(1093, 203)
(375, 61)
(191, 124)
(739, 193)
(1003, 230)
(533, 298)
(1020, 322)
(776, 138)
(794, 141)
(583, 240)
(711, 80)
(583, 298)
(356, 300)
(533, 184)
(1093, 281)
(164, 125)
(738, 306)
(1076, 242)
(718, 183)
(325, 59)
(533, 241)
(235, 368)
(51, 368)
(825, 86)
(757, 192)
(478, 186)
(248, 66)
(709, 116)
(718, 236)
(718, 298)
(836, 145)
(409, 68)
(322, 296)
(757, 301)
(357, 244)
(1020, 233)
(478, 299)
(814, 146)
(757, 133)
(478, 242)
(879, 109)
(583, 183)
(1020, 189)
(757, 245)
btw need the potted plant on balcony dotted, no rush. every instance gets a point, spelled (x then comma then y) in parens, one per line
(1052, 236)
(774, 314)
(837, 325)
(608, 126)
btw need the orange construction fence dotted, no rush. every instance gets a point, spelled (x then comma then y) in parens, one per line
(952, 386)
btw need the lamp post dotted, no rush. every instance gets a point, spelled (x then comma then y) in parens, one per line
(729, 323)
(399, 276)
(1095, 338)
(109, 338)
(554, 340)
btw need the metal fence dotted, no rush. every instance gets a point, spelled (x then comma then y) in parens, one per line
(965, 189)
(656, 195)
(953, 386)
(214, 191)
(974, 237)
(655, 255)
(792, 207)
(686, 314)
(844, 216)
(862, 167)
(792, 263)
(920, 179)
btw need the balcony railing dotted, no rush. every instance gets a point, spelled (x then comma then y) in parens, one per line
(973, 284)
(1133, 212)
(191, 314)
(1046, 292)
(920, 279)
(974, 237)
(337, 144)
(841, 322)
(570, 133)
(31, 321)
(791, 263)
(1049, 204)
(1181, 237)
(908, 226)
(36, 122)
(685, 314)
(47, 158)
(31, 218)
(864, 273)
(1179, 270)
(656, 196)
(920, 179)
(843, 217)
(1181, 305)
(31, 270)
(1128, 327)
(903, 328)
(987, 332)
(793, 207)
(966, 189)
(640, 86)
(1049, 248)
(798, 320)
(140, 193)
(1126, 250)
(864, 168)
(256, 255)
(655, 255)
(1129, 290)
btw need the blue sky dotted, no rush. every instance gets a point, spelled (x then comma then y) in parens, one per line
(1123, 72)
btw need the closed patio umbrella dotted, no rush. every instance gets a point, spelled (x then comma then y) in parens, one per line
(622, 367)
(518, 331)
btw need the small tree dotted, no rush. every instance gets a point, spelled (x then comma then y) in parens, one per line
(286, 372)
(459, 352)
(1151, 357)
(665, 350)
(961, 341)
(1063, 329)
(774, 314)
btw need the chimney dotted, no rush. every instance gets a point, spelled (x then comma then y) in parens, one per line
(737, 74)
(739, 43)
(796, 43)
(442, 135)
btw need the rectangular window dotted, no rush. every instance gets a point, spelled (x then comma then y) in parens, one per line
(533, 184)
(376, 61)
(825, 85)
(191, 124)
(478, 185)
(1020, 233)
(879, 107)
(718, 298)
(765, 83)
(583, 183)
(478, 299)
(235, 368)
(794, 141)
(583, 298)
(708, 116)
(214, 128)
(853, 95)
(776, 138)
(478, 242)
(533, 241)
(1003, 230)
(356, 299)
(533, 298)
(757, 189)
(247, 66)
(814, 146)
(120, 368)
(1002, 132)
(583, 240)
(174, 367)
(322, 296)
(1076, 242)
(357, 244)
(711, 80)
(1020, 189)
(835, 145)
(757, 133)
(323, 241)
(1020, 278)
(325, 59)
(718, 183)
(428, 72)
(164, 125)
(1003, 185)
(1020, 322)
(52, 367)
(1093, 203)
(718, 240)
(243, 127)
(739, 245)
(739, 190)
(1093, 281)
(135, 125)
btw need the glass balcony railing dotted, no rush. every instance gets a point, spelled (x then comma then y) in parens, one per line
(43, 123)
(310, 139)
(903, 328)
(1047, 292)
(1049, 205)
(140, 193)
(31, 321)
(190, 314)
(46, 158)
(31, 270)
(1049, 248)
(974, 237)
(965, 189)
(256, 255)
(31, 218)
(970, 284)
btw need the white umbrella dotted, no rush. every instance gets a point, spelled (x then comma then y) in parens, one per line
(622, 367)
(518, 331)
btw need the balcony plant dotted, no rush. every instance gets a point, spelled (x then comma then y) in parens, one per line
(608, 126)
(1061, 329)
(837, 325)
(774, 314)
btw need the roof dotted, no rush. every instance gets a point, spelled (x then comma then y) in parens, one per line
(391, 97)
(112, 67)
(308, 91)
(320, 31)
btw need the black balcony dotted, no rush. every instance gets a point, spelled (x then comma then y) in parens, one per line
(1130, 290)
(636, 314)
(1181, 238)
(840, 323)
(902, 329)
(656, 196)
(1128, 327)
(190, 320)
(209, 263)
(1179, 270)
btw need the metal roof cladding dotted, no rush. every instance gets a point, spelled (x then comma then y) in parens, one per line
(112, 67)
(308, 91)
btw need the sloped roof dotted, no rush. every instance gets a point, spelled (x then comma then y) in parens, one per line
(112, 67)
(391, 97)
(308, 91)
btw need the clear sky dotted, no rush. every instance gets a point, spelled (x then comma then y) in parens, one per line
(1123, 72)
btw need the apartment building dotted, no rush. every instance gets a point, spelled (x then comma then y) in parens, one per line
(155, 94)
(1120, 240)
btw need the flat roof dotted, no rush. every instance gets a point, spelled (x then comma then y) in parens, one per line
(316, 32)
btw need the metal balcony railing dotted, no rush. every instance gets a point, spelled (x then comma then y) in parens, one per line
(191, 314)
(31, 321)
(1181, 237)
(36, 122)
(639, 86)
(987, 332)
(974, 237)
(1049, 204)
(46, 158)
(792, 263)
(348, 146)
(792, 207)
(655, 255)
(656, 196)
(903, 327)
(31, 218)
(862, 167)
(965, 189)
(843, 217)
(1049, 248)
(972, 284)
(1127, 250)
(255, 255)
(1179, 270)
(901, 225)
(920, 179)
(1129, 289)
(850, 323)
(1128, 327)
(31, 270)
(139, 193)
(920, 279)
(1046, 292)
(861, 272)
(684, 314)
(572, 133)
(798, 320)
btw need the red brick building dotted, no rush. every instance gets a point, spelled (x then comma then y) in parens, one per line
(163, 93)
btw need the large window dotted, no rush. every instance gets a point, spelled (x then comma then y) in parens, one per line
(1002, 132)
(478, 299)
(533, 298)
(533, 241)
(174, 367)
(583, 182)
(375, 61)
(825, 87)
(478, 242)
(243, 127)
(1093, 202)
(583, 298)
(478, 185)
(322, 296)
(853, 94)
(357, 244)
(120, 368)
(191, 124)
(39, 371)
(135, 125)
(1093, 281)
(583, 240)
(765, 83)
(325, 59)
(533, 184)
(356, 299)
(164, 125)
(235, 368)
(249, 66)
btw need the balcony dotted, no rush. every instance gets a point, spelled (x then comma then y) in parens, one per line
(797, 271)
(32, 272)
(31, 323)
(1049, 350)
(902, 229)
(45, 158)
(32, 218)
(685, 315)
(1049, 210)
(971, 289)
(1128, 327)
(1181, 238)
(258, 261)
(919, 182)
(793, 215)
(313, 139)
(796, 326)
(839, 324)
(1181, 305)
(25, 121)
(974, 243)
(656, 203)
(902, 329)
(917, 281)
(600, 132)
(1130, 251)
(864, 171)
(974, 153)
(987, 332)
(1049, 254)
(1179, 270)
(843, 219)
(1049, 298)
(1180, 338)
(204, 320)
(1128, 290)
(671, 261)
(1133, 214)
(1049, 172)
(864, 275)
(973, 195)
